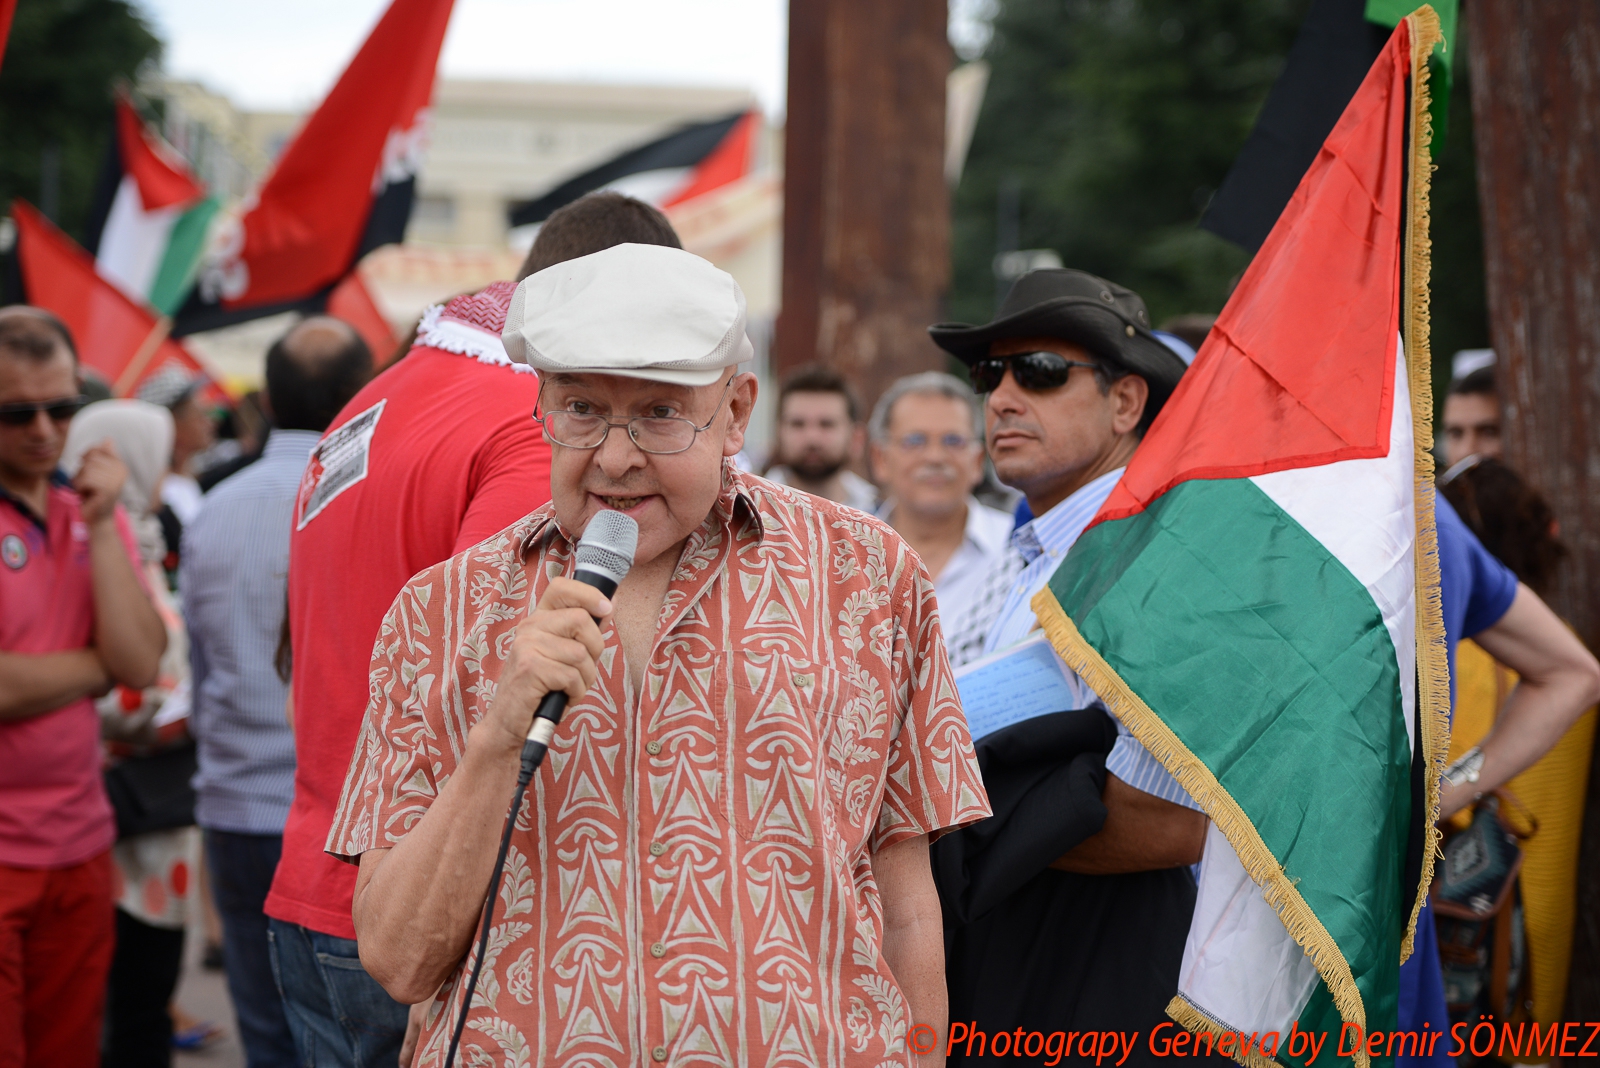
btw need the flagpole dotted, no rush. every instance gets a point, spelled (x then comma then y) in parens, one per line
(141, 359)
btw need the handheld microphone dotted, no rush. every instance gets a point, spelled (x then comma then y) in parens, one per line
(604, 555)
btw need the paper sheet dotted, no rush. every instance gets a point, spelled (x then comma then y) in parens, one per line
(1021, 682)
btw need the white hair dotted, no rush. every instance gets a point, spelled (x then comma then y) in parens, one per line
(928, 383)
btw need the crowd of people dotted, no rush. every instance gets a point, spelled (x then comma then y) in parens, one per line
(288, 679)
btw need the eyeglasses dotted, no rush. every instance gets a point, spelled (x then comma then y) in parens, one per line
(919, 442)
(657, 435)
(1034, 371)
(24, 413)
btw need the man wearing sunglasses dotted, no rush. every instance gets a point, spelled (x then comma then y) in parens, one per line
(725, 855)
(1072, 376)
(74, 620)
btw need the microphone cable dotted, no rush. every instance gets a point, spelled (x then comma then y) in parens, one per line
(533, 752)
(603, 558)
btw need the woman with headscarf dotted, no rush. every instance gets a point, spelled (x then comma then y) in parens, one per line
(157, 846)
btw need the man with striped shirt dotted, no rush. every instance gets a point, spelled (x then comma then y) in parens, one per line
(1073, 376)
(234, 580)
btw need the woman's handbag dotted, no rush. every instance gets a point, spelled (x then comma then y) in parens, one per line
(153, 793)
(1478, 912)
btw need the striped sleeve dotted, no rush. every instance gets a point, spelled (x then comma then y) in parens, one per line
(1133, 764)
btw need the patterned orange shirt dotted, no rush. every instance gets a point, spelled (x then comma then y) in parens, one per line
(690, 881)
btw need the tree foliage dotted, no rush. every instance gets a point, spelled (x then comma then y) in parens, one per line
(1116, 120)
(1458, 301)
(56, 81)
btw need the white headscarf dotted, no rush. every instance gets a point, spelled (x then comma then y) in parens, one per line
(142, 435)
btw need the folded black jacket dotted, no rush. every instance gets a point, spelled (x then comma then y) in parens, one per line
(1048, 951)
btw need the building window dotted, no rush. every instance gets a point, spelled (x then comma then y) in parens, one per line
(434, 213)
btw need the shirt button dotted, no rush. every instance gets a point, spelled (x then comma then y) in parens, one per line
(657, 848)
(659, 1053)
(652, 748)
(658, 950)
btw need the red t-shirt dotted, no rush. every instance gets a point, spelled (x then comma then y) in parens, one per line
(433, 456)
(53, 807)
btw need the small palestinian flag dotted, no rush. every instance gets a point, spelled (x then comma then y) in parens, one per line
(1258, 599)
(120, 339)
(668, 171)
(148, 229)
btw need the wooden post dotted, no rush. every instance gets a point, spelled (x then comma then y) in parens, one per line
(1536, 120)
(866, 229)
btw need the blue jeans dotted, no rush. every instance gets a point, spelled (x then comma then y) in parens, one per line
(241, 874)
(340, 1017)
(1422, 994)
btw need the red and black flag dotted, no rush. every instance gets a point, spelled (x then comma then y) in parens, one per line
(343, 186)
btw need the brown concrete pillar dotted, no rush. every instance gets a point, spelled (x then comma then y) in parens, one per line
(866, 229)
(1536, 121)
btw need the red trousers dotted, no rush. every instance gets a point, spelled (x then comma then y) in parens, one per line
(56, 938)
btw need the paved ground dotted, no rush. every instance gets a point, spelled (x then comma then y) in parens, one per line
(204, 995)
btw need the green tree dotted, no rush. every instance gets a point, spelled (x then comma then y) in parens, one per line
(1114, 121)
(56, 80)
(1111, 122)
(1458, 302)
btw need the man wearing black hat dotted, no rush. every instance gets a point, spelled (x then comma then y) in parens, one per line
(1068, 910)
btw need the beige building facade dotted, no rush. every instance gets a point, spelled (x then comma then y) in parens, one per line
(497, 143)
(492, 143)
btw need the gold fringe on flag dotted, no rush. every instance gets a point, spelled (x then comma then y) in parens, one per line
(1192, 1017)
(1197, 780)
(1433, 680)
(1433, 670)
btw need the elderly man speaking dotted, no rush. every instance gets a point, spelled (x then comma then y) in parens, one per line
(725, 858)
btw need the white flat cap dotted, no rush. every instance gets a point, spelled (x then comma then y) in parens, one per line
(643, 311)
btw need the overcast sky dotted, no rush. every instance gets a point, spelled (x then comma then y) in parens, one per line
(285, 54)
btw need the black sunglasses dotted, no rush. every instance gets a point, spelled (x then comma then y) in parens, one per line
(1034, 371)
(26, 412)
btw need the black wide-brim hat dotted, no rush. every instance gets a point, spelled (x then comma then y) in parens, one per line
(1108, 320)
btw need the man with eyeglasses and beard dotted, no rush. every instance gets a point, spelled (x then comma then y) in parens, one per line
(75, 619)
(1069, 909)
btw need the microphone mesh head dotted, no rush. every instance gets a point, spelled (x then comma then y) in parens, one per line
(608, 545)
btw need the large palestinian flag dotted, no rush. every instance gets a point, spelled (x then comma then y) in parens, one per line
(1258, 599)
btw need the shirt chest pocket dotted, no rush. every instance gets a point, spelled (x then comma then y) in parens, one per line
(800, 766)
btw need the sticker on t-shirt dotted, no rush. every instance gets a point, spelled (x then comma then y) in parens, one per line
(13, 552)
(338, 462)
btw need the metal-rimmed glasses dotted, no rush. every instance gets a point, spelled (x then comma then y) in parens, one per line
(659, 435)
(917, 442)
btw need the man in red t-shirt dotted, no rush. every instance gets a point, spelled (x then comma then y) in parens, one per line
(436, 454)
(75, 619)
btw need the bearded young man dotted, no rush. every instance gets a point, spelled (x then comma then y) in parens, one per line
(819, 434)
(725, 856)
